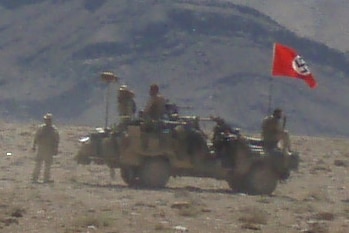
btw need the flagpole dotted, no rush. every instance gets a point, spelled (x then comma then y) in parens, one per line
(107, 97)
(270, 95)
(271, 84)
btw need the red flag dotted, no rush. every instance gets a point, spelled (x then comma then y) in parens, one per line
(288, 63)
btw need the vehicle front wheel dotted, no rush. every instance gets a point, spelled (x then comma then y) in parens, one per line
(154, 173)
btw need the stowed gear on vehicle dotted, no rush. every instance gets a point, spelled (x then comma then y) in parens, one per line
(149, 153)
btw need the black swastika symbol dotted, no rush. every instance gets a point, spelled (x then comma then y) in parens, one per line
(300, 66)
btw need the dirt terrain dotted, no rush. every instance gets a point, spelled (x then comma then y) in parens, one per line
(84, 198)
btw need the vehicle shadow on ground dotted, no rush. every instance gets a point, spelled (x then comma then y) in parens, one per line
(165, 189)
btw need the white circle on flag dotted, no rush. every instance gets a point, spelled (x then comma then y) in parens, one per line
(300, 66)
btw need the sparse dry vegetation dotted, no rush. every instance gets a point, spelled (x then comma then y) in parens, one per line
(253, 216)
(92, 221)
(85, 199)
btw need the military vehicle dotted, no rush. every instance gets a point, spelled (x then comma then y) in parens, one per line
(149, 153)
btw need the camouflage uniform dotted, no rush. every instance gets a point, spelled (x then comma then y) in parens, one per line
(155, 108)
(221, 128)
(273, 132)
(46, 139)
(153, 112)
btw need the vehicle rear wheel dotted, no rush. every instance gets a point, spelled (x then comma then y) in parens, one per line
(155, 173)
(129, 176)
(261, 180)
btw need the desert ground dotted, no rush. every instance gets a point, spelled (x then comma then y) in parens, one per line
(85, 199)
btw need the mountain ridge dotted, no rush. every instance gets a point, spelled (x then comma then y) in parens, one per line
(197, 51)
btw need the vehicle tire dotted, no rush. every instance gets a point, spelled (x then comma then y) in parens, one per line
(154, 173)
(129, 176)
(261, 180)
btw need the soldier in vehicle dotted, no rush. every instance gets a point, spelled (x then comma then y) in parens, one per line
(126, 104)
(156, 105)
(273, 132)
(45, 142)
(221, 128)
(152, 114)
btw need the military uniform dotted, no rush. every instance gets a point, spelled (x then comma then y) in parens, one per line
(46, 140)
(220, 129)
(155, 107)
(273, 132)
(152, 113)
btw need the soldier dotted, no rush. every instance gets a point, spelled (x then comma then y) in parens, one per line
(46, 140)
(156, 105)
(221, 128)
(153, 112)
(273, 131)
(126, 104)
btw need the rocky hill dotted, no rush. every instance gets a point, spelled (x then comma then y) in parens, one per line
(214, 56)
(320, 20)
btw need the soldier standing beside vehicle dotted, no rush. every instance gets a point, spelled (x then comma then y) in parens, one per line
(273, 131)
(45, 144)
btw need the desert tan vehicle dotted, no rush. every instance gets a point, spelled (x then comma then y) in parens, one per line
(179, 148)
